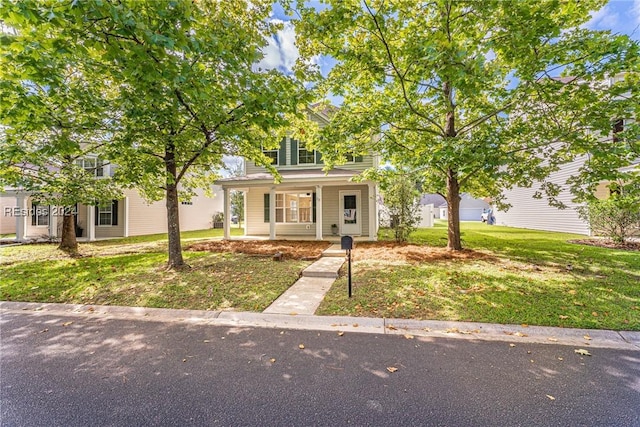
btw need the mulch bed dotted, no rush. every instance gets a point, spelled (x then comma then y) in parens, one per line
(290, 249)
(609, 244)
(309, 250)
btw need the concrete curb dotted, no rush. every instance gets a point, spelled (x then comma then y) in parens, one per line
(516, 334)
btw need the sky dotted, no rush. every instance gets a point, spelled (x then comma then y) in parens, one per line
(619, 16)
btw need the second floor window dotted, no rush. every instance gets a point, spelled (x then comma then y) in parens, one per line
(272, 154)
(93, 166)
(305, 157)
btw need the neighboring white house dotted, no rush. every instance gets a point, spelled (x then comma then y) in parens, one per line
(470, 208)
(308, 202)
(129, 216)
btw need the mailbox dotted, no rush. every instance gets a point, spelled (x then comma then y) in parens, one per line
(346, 243)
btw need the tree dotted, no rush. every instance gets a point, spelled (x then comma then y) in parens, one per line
(462, 91)
(186, 87)
(402, 201)
(52, 118)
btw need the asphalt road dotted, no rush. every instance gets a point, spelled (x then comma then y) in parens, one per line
(129, 372)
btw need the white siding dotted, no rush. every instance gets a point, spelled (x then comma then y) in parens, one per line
(198, 215)
(527, 212)
(7, 220)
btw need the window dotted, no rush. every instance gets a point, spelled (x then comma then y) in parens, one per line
(305, 157)
(107, 213)
(349, 158)
(39, 215)
(272, 154)
(93, 166)
(294, 207)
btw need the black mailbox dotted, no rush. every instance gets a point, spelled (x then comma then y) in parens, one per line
(346, 242)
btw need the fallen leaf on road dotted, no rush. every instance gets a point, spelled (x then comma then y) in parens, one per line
(512, 345)
(355, 325)
(427, 329)
(551, 397)
(453, 330)
(184, 360)
(561, 358)
(391, 327)
(206, 341)
(340, 333)
(392, 369)
(524, 325)
(301, 346)
(587, 337)
(553, 339)
(66, 323)
(272, 360)
(520, 334)
(408, 336)
(44, 330)
(582, 352)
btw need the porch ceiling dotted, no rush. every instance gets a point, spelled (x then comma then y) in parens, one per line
(290, 177)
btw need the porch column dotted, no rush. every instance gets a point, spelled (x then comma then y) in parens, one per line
(21, 218)
(318, 212)
(272, 213)
(126, 217)
(227, 214)
(91, 223)
(372, 212)
(53, 220)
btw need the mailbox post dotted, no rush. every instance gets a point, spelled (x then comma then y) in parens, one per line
(346, 243)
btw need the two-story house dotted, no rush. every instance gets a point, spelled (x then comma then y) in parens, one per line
(130, 215)
(308, 202)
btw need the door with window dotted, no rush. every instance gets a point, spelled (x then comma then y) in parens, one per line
(350, 213)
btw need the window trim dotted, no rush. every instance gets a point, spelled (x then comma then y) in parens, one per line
(284, 208)
(276, 151)
(303, 146)
(100, 169)
(35, 208)
(104, 209)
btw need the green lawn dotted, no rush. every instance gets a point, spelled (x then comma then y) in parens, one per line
(131, 272)
(527, 277)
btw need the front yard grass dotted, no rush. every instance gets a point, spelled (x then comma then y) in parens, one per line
(521, 277)
(131, 272)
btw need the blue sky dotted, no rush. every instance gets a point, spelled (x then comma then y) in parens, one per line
(619, 16)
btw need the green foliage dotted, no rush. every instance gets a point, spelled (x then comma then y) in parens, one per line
(401, 203)
(179, 81)
(617, 218)
(461, 90)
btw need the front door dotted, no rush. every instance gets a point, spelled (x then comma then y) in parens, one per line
(350, 213)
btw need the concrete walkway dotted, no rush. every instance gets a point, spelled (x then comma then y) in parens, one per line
(304, 296)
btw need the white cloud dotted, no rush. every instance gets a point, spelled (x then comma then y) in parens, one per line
(281, 52)
(603, 18)
(635, 11)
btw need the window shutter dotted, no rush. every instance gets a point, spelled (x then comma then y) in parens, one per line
(266, 207)
(282, 153)
(313, 201)
(97, 215)
(359, 159)
(319, 158)
(114, 212)
(294, 152)
(618, 126)
(34, 208)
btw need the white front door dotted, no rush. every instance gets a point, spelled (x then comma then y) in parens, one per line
(350, 213)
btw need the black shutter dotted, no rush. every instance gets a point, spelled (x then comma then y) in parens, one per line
(314, 206)
(618, 126)
(319, 158)
(34, 208)
(114, 212)
(282, 153)
(97, 215)
(267, 198)
(359, 159)
(294, 152)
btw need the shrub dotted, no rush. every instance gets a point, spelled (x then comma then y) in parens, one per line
(616, 218)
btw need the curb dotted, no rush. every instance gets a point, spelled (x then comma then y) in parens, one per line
(595, 338)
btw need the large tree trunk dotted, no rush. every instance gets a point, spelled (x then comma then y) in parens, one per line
(173, 216)
(453, 212)
(68, 241)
